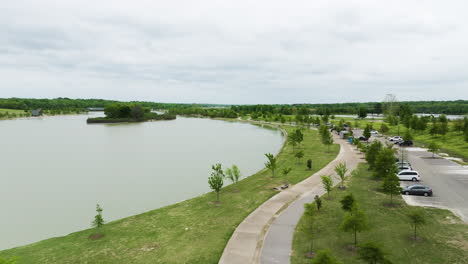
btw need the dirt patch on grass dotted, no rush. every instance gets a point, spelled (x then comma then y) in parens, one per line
(310, 255)
(391, 205)
(216, 203)
(459, 242)
(149, 247)
(96, 236)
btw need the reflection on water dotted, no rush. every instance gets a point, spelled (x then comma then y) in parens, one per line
(55, 169)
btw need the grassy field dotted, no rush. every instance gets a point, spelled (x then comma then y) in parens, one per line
(444, 237)
(12, 113)
(193, 231)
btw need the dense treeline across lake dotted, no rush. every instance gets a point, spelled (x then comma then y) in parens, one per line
(116, 113)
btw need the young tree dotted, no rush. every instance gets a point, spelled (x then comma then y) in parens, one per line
(348, 203)
(307, 225)
(233, 174)
(299, 155)
(216, 179)
(341, 170)
(98, 221)
(416, 218)
(325, 257)
(355, 222)
(327, 138)
(372, 152)
(271, 164)
(366, 132)
(327, 182)
(372, 253)
(391, 186)
(292, 141)
(408, 135)
(433, 147)
(384, 128)
(309, 164)
(318, 202)
(298, 136)
(286, 171)
(385, 164)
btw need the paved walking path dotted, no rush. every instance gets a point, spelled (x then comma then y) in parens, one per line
(247, 241)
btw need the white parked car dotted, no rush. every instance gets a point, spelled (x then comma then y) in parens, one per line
(374, 132)
(395, 138)
(409, 175)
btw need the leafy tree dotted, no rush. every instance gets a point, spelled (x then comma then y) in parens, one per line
(299, 155)
(98, 221)
(391, 186)
(362, 112)
(309, 164)
(325, 257)
(233, 174)
(408, 135)
(299, 136)
(307, 225)
(355, 222)
(318, 202)
(372, 253)
(385, 164)
(341, 170)
(348, 203)
(416, 218)
(372, 153)
(327, 182)
(384, 128)
(271, 164)
(286, 171)
(366, 132)
(216, 179)
(326, 137)
(433, 147)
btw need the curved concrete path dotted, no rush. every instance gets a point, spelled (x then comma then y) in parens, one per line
(247, 241)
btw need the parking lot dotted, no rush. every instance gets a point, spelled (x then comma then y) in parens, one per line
(448, 180)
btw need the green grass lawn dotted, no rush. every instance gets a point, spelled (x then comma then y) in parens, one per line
(12, 113)
(160, 236)
(444, 237)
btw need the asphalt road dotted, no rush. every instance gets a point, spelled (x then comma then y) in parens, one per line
(448, 180)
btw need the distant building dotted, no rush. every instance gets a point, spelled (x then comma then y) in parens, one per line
(95, 108)
(37, 112)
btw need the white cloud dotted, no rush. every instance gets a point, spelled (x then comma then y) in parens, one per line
(234, 51)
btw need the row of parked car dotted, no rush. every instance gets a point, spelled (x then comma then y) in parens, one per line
(399, 140)
(407, 173)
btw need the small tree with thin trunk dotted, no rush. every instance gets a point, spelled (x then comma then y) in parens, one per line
(325, 257)
(98, 221)
(433, 147)
(216, 179)
(307, 225)
(271, 164)
(233, 174)
(309, 164)
(299, 155)
(318, 202)
(416, 218)
(327, 182)
(366, 132)
(355, 222)
(391, 186)
(348, 203)
(341, 170)
(372, 253)
(327, 138)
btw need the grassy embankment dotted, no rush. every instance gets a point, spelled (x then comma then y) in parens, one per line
(444, 237)
(160, 236)
(12, 113)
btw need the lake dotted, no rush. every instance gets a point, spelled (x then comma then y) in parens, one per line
(55, 169)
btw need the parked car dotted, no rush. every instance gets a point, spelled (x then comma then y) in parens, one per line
(417, 190)
(395, 138)
(361, 138)
(409, 175)
(404, 167)
(374, 132)
(403, 163)
(406, 143)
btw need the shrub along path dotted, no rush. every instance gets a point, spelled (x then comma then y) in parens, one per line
(192, 231)
(444, 236)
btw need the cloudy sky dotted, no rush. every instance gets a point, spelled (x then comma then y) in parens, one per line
(238, 52)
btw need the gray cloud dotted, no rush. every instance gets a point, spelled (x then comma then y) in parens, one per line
(234, 51)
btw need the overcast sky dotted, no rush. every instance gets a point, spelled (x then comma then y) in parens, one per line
(239, 52)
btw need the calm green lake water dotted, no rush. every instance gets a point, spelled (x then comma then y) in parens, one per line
(55, 169)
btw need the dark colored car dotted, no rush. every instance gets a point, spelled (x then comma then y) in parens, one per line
(362, 138)
(406, 143)
(417, 190)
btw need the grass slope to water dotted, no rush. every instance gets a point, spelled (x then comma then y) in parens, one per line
(444, 237)
(159, 236)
